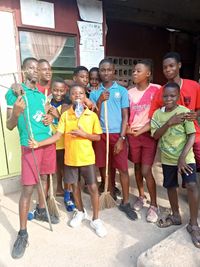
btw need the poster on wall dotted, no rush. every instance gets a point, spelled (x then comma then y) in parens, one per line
(37, 13)
(90, 10)
(91, 58)
(91, 34)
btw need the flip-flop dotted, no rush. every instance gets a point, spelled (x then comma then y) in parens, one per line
(194, 231)
(169, 220)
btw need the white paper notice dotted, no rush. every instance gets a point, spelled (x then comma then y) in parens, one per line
(91, 58)
(90, 10)
(37, 13)
(91, 35)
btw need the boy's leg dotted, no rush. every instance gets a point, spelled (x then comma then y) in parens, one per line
(77, 196)
(139, 179)
(173, 200)
(45, 187)
(193, 201)
(22, 238)
(93, 190)
(60, 171)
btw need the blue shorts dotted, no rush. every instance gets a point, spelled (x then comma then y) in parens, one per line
(170, 174)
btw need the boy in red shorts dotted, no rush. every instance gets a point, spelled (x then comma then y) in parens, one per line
(117, 104)
(31, 123)
(80, 128)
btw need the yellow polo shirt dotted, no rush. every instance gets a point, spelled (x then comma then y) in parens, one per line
(78, 150)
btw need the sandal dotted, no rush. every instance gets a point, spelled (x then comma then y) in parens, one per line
(169, 220)
(194, 231)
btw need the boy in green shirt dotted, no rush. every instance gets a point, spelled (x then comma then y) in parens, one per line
(177, 135)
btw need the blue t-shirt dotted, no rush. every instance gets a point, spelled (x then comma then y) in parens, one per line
(118, 99)
(34, 112)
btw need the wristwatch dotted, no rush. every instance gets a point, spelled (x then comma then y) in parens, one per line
(122, 137)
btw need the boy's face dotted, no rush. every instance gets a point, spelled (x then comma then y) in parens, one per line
(94, 79)
(171, 68)
(170, 97)
(44, 71)
(82, 78)
(106, 72)
(31, 71)
(140, 73)
(58, 91)
(77, 93)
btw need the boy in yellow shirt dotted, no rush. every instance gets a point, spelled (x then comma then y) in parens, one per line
(79, 131)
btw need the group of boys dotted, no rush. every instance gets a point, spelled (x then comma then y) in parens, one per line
(81, 131)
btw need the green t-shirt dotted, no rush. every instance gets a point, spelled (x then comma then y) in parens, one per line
(173, 141)
(34, 111)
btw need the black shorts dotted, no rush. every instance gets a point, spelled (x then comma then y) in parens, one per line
(170, 174)
(72, 174)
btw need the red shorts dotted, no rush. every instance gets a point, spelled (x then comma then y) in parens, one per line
(196, 149)
(45, 159)
(118, 161)
(142, 149)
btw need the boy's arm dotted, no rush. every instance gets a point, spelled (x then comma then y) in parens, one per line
(14, 113)
(81, 133)
(103, 97)
(119, 144)
(142, 130)
(51, 140)
(175, 119)
(183, 167)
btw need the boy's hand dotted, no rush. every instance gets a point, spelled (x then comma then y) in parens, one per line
(104, 96)
(19, 106)
(191, 116)
(17, 89)
(79, 132)
(32, 143)
(54, 112)
(176, 119)
(48, 119)
(118, 146)
(183, 167)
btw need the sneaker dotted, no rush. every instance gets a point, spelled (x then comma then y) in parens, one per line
(41, 215)
(99, 228)
(78, 217)
(20, 246)
(139, 203)
(152, 214)
(70, 206)
(130, 213)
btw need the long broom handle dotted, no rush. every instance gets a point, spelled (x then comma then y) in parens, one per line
(107, 145)
(27, 125)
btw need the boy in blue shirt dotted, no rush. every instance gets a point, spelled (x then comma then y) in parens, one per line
(117, 104)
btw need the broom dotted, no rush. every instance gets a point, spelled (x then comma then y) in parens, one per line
(106, 200)
(29, 131)
(51, 201)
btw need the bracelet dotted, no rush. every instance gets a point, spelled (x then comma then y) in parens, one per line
(122, 137)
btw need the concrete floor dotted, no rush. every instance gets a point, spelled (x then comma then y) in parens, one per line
(65, 246)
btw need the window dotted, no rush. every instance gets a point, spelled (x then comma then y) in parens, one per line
(59, 50)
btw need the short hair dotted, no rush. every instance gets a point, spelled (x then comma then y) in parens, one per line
(42, 60)
(75, 85)
(78, 69)
(172, 85)
(147, 62)
(94, 69)
(57, 80)
(27, 60)
(106, 60)
(173, 55)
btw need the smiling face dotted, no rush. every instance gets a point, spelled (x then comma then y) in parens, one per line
(44, 72)
(94, 79)
(106, 72)
(82, 78)
(58, 91)
(77, 93)
(171, 68)
(141, 73)
(170, 97)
